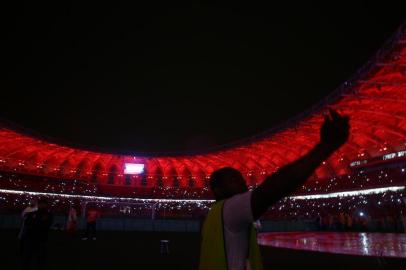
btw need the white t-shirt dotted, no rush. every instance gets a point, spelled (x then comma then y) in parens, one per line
(237, 218)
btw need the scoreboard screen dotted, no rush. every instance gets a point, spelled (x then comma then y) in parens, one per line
(133, 168)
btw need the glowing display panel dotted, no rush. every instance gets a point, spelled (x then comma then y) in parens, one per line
(133, 168)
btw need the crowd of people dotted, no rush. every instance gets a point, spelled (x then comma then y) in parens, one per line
(383, 211)
(35, 183)
(357, 180)
(384, 206)
(374, 212)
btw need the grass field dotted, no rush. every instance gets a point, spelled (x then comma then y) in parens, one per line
(141, 250)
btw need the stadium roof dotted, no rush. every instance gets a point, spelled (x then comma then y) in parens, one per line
(375, 99)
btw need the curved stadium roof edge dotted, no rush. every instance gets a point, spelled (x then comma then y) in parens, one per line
(375, 99)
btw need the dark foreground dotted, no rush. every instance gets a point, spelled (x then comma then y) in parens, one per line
(141, 250)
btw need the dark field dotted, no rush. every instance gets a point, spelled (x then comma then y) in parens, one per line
(141, 250)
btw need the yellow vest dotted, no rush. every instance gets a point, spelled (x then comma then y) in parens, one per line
(213, 255)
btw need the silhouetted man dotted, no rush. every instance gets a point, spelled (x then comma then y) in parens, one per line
(91, 219)
(228, 235)
(35, 236)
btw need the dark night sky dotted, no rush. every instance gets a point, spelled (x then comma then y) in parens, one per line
(176, 77)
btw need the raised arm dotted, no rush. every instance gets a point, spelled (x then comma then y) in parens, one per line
(334, 133)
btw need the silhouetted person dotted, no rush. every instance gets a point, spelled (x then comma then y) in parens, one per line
(228, 236)
(71, 223)
(32, 206)
(91, 218)
(35, 236)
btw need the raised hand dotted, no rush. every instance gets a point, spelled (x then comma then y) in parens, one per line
(334, 131)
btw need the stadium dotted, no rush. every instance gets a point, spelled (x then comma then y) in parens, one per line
(352, 210)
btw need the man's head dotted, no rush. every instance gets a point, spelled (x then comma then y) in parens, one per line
(33, 203)
(227, 182)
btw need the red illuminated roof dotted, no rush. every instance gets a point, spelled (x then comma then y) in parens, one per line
(375, 99)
